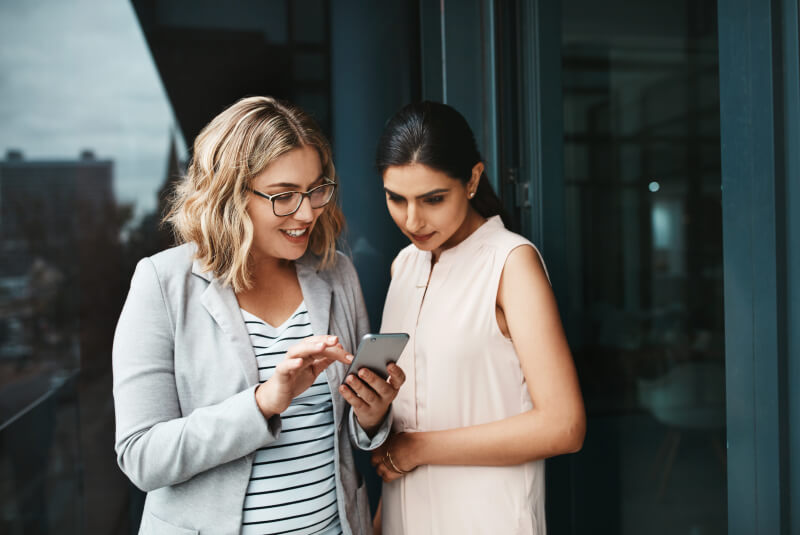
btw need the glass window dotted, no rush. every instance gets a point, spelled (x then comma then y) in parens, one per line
(88, 141)
(644, 238)
(97, 103)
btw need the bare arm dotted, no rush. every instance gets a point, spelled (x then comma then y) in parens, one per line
(555, 425)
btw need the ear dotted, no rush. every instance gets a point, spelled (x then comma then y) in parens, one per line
(477, 171)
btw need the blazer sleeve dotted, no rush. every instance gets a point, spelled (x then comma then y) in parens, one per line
(359, 437)
(156, 444)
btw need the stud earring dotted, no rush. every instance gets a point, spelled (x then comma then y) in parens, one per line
(472, 194)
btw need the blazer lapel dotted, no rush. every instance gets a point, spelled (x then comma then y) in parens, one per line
(221, 303)
(317, 294)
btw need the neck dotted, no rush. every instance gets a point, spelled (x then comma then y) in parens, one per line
(266, 270)
(471, 223)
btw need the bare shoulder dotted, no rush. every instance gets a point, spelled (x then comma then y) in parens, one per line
(523, 277)
(524, 261)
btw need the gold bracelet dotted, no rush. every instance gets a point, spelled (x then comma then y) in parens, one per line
(394, 466)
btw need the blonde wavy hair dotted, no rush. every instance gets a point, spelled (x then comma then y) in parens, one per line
(208, 206)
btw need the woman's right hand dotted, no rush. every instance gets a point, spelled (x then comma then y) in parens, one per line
(298, 371)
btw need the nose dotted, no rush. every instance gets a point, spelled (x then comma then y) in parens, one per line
(305, 213)
(414, 221)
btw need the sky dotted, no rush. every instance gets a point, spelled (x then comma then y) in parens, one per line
(76, 75)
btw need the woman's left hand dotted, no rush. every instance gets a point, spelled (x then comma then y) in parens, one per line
(370, 395)
(394, 458)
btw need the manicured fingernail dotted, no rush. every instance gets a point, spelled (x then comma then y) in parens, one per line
(350, 379)
(362, 373)
(331, 339)
(320, 345)
(349, 357)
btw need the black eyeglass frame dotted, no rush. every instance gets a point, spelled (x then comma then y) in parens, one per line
(303, 194)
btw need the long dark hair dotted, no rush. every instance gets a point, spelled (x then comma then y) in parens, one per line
(437, 136)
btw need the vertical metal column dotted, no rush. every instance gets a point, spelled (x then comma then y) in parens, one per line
(759, 92)
(458, 66)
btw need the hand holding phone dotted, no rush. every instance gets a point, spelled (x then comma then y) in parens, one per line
(369, 387)
(376, 351)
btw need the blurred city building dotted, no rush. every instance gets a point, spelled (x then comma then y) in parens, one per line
(56, 312)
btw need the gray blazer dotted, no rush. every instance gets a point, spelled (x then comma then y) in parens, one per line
(187, 424)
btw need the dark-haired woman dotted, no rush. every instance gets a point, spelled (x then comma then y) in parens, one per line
(491, 388)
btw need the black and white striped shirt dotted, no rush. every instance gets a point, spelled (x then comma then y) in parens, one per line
(292, 488)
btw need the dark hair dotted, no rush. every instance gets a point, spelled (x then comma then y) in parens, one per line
(437, 136)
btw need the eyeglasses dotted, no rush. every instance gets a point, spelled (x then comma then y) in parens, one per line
(288, 202)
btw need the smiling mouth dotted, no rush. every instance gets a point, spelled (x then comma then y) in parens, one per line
(295, 233)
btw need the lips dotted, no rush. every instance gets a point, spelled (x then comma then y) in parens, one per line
(296, 235)
(422, 237)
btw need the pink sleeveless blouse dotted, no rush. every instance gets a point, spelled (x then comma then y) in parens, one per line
(461, 371)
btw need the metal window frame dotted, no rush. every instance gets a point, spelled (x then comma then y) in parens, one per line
(760, 112)
(452, 30)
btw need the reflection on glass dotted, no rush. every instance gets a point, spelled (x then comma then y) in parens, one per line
(87, 146)
(642, 171)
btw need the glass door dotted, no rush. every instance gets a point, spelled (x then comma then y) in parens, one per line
(643, 288)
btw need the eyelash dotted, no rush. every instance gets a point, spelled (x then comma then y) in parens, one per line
(436, 199)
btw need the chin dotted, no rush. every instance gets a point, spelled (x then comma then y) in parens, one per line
(295, 254)
(426, 245)
(287, 254)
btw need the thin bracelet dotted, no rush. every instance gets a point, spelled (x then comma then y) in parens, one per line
(394, 466)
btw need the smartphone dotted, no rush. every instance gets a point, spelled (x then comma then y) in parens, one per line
(375, 351)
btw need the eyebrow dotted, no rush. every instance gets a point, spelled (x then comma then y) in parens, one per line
(427, 194)
(291, 185)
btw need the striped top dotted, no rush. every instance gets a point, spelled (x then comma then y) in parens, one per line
(292, 488)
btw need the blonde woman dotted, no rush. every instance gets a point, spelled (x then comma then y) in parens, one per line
(230, 352)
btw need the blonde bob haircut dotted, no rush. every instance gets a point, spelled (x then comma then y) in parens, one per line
(208, 206)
